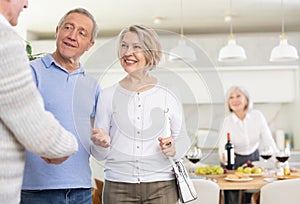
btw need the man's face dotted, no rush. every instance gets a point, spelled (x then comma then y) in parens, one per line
(74, 36)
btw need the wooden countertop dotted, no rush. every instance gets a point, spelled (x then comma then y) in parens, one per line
(255, 184)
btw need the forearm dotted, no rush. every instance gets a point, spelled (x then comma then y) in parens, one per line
(99, 153)
(22, 109)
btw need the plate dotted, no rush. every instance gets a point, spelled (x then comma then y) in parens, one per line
(212, 175)
(287, 177)
(270, 179)
(256, 175)
(238, 179)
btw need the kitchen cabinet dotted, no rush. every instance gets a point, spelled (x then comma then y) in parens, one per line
(265, 84)
(206, 86)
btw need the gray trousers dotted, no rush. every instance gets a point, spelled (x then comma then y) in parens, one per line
(161, 192)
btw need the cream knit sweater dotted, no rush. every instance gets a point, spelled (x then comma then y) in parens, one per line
(23, 121)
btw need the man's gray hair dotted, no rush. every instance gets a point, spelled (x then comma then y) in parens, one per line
(86, 13)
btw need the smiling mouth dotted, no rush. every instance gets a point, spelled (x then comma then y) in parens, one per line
(69, 44)
(128, 61)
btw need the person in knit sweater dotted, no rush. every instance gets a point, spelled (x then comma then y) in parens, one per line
(24, 123)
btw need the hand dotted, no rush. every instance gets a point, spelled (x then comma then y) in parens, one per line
(223, 160)
(55, 160)
(167, 146)
(100, 137)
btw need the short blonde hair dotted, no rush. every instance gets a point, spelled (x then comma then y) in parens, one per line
(249, 106)
(150, 43)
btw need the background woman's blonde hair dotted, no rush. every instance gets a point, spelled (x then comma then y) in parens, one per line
(150, 43)
(244, 92)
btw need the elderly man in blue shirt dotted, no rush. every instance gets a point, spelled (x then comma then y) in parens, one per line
(71, 95)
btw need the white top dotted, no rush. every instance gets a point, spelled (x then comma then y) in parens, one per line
(134, 121)
(246, 135)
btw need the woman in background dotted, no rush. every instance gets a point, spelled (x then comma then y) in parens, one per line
(139, 124)
(248, 129)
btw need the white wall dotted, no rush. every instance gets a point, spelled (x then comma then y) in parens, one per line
(258, 46)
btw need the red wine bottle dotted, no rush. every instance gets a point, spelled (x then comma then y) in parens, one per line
(229, 147)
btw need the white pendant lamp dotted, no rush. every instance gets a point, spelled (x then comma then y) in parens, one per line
(232, 52)
(283, 52)
(182, 51)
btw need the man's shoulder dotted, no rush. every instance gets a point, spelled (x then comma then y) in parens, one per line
(90, 76)
(37, 63)
(90, 79)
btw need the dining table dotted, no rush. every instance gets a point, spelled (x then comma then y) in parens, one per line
(256, 182)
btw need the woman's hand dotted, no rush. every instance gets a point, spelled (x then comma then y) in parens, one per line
(100, 137)
(223, 160)
(167, 146)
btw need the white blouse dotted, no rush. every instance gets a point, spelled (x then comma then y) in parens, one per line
(134, 121)
(246, 135)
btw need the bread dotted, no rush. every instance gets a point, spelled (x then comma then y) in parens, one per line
(237, 175)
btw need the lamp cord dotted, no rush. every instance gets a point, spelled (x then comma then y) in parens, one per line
(230, 20)
(230, 13)
(282, 18)
(181, 19)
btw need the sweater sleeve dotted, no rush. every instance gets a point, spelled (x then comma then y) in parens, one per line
(22, 108)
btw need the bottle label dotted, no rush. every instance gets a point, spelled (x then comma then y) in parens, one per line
(232, 156)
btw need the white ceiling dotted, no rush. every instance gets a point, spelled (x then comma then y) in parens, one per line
(199, 16)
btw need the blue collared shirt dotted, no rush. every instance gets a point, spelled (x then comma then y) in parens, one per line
(71, 98)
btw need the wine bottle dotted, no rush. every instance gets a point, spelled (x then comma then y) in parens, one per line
(229, 147)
